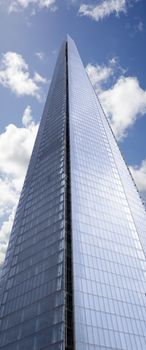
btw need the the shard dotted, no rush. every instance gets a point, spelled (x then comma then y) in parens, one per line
(74, 272)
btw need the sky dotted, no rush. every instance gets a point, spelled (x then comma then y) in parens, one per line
(110, 36)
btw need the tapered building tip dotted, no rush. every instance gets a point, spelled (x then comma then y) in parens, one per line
(68, 37)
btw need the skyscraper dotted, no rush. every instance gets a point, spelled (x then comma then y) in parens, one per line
(73, 277)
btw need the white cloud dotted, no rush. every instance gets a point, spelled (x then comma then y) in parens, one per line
(8, 196)
(14, 74)
(16, 5)
(104, 9)
(99, 75)
(4, 235)
(124, 102)
(15, 149)
(134, 28)
(39, 79)
(27, 117)
(45, 3)
(140, 26)
(40, 55)
(15, 146)
(139, 175)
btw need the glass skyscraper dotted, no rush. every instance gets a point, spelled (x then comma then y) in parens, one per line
(74, 272)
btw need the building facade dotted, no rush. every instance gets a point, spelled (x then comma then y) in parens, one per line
(74, 273)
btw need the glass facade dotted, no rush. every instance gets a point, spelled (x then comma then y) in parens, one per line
(108, 228)
(74, 273)
(33, 298)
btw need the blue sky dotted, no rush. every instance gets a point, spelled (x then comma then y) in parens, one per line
(110, 36)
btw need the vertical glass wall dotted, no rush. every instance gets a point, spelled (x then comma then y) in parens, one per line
(108, 228)
(92, 256)
(32, 286)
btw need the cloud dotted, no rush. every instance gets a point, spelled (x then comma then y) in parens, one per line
(16, 5)
(139, 175)
(39, 79)
(27, 117)
(40, 55)
(104, 9)
(16, 145)
(8, 196)
(99, 75)
(15, 149)
(5, 234)
(140, 26)
(14, 74)
(134, 28)
(123, 101)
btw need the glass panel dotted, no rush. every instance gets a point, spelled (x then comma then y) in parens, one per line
(33, 274)
(108, 227)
